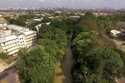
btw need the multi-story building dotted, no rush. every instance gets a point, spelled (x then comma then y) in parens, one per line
(26, 37)
(8, 44)
(13, 38)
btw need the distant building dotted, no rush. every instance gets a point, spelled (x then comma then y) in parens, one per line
(38, 19)
(3, 22)
(74, 17)
(101, 14)
(58, 12)
(115, 33)
(48, 23)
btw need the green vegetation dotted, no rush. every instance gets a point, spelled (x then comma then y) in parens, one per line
(3, 55)
(37, 65)
(20, 20)
(96, 64)
(95, 59)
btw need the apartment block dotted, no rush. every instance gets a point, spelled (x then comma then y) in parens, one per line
(26, 37)
(13, 38)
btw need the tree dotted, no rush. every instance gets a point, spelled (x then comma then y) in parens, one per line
(3, 55)
(36, 66)
(84, 42)
(88, 21)
(100, 65)
(56, 38)
(106, 23)
(57, 50)
(94, 63)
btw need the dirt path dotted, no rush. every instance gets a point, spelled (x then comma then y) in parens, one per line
(63, 71)
(59, 75)
(63, 75)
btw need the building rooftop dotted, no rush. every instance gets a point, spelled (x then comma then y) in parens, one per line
(2, 20)
(12, 31)
(18, 28)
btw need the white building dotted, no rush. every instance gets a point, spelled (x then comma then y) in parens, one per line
(13, 38)
(9, 44)
(27, 36)
(101, 13)
(115, 33)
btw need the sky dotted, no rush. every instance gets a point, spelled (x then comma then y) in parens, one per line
(116, 4)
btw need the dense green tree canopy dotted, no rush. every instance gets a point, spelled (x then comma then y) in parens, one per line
(93, 63)
(98, 65)
(84, 42)
(88, 21)
(37, 65)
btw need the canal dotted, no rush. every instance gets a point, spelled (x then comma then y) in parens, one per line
(68, 62)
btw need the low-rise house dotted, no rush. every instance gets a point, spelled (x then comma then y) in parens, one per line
(74, 17)
(3, 22)
(38, 19)
(101, 13)
(115, 33)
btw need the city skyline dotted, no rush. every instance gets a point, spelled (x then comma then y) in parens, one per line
(86, 4)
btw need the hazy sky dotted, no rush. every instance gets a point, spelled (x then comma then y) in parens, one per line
(62, 3)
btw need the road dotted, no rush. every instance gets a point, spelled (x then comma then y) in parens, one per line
(67, 64)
